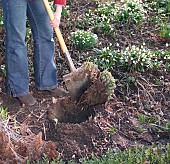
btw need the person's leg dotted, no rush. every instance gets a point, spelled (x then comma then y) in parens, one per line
(17, 79)
(44, 65)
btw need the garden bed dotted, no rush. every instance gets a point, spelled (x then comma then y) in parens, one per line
(137, 114)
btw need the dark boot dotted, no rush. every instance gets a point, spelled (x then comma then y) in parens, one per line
(59, 92)
(28, 100)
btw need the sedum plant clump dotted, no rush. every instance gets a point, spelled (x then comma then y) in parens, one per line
(109, 82)
(92, 70)
(84, 39)
(105, 76)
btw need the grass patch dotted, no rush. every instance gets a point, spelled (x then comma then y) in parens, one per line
(144, 155)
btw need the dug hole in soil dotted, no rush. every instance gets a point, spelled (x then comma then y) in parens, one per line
(64, 129)
(114, 125)
(67, 110)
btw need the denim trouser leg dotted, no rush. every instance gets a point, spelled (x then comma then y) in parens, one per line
(44, 65)
(17, 80)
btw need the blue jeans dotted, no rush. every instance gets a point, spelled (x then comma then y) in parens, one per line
(17, 74)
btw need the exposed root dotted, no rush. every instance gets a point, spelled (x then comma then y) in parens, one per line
(15, 148)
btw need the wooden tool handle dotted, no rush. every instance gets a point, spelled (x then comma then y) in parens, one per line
(60, 37)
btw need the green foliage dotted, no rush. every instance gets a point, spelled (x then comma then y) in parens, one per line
(131, 58)
(106, 58)
(3, 114)
(112, 131)
(65, 12)
(164, 57)
(53, 7)
(107, 14)
(31, 67)
(102, 18)
(132, 11)
(162, 6)
(92, 69)
(46, 161)
(162, 128)
(165, 30)
(3, 69)
(165, 54)
(109, 82)
(137, 155)
(137, 58)
(142, 118)
(153, 155)
(1, 20)
(105, 76)
(28, 34)
(84, 39)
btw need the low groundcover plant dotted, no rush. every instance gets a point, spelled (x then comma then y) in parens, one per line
(136, 58)
(84, 39)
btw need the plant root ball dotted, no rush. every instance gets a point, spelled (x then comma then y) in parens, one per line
(101, 84)
(65, 110)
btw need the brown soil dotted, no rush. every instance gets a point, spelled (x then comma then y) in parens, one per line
(93, 124)
(66, 110)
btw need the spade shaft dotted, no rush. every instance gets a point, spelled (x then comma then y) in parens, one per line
(60, 37)
(77, 81)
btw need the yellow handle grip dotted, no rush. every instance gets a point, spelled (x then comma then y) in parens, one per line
(57, 30)
(60, 37)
